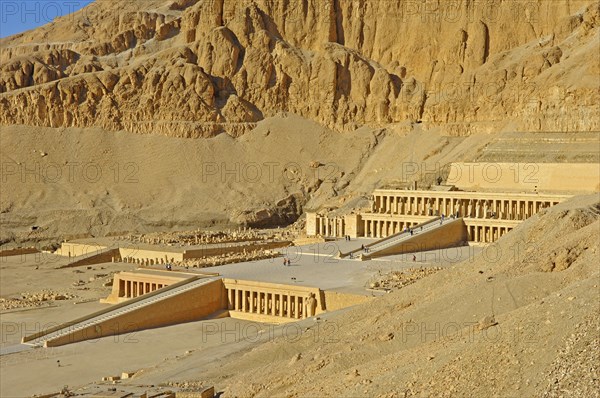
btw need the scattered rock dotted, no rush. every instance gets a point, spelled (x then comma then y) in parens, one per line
(487, 322)
(387, 337)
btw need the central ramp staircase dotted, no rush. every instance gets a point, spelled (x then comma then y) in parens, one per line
(188, 300)
(430, 235)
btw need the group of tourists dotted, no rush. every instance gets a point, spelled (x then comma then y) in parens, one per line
(287, 262)
(347, 237)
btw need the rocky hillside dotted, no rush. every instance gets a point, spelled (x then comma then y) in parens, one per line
(190, 68)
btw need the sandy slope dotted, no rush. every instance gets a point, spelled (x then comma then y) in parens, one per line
(88, 182)
(114, 182)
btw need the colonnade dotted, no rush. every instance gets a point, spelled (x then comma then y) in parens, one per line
(479, 205)
(131, 288)
(486, 233)
(331, 226)
(144, 261)
(394, 210)
(287, 305)
(381, 228)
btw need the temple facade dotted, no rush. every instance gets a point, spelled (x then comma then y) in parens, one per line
(487, 215)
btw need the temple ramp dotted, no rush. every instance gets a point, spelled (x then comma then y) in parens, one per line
(431, 235)
(189, 300)
(101, 256)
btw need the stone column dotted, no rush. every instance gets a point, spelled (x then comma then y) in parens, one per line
(289, 306)
(273, 304)
(297, 307)
(281, 308)
(244, 301)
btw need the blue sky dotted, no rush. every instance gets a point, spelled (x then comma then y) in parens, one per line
(20, 15)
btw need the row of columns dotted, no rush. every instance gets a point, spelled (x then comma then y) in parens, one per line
(486, 234)
(383, 228)
(144, 261)
(130, 289)
(332, 227)
(507, 209)
(265, 303)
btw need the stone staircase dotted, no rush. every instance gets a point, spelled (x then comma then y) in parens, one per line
(42, 338)
(386, 245)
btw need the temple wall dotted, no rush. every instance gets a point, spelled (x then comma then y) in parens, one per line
(353, 225)
(70, 249)
(232, 249)
(151, 256)
(311, 224)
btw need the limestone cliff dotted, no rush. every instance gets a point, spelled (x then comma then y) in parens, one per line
(199, 68)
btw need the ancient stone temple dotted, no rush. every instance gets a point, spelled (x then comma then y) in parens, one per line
(487, 216)
(489, 207)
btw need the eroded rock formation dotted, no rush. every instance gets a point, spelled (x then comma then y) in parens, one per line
(198, 68)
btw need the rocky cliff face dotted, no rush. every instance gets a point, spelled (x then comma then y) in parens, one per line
(190, 68)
